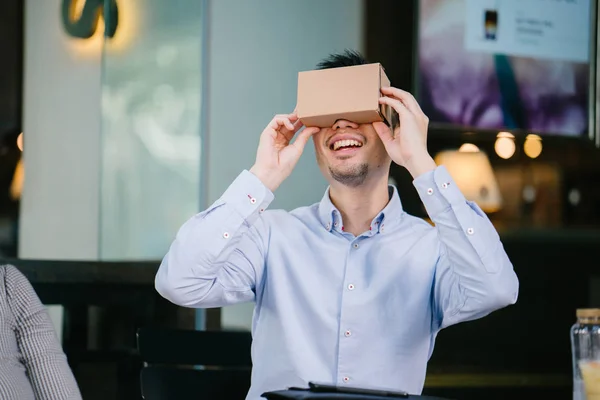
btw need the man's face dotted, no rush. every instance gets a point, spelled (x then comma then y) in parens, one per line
(349, 153)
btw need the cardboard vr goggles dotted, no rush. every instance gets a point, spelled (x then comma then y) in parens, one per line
(351, 93)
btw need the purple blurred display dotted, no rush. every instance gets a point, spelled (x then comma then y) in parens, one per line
(478, 90)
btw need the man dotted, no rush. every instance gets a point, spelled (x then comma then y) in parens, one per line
(352, 290)
(32, 362)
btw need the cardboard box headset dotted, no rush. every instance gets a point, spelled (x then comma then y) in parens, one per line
(350, 93)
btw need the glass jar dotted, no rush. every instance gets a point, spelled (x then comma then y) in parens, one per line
(585, 348)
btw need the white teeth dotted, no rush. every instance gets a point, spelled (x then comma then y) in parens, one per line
(346, 143)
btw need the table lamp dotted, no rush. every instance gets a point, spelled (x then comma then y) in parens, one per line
(474, 176)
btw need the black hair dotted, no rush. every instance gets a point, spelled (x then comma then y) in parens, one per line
(348, 58)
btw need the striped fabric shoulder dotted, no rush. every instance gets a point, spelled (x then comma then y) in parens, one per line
(36, 366)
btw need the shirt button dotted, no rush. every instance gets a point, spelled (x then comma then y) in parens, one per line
(350, 287)
(262, 210)
(430, 191)
(252, 200)
(226, 235)
(355, 245)
(445, 185)
(327, 226)
(347, 333)
(470, 231)
(335, 224)
(346, 379)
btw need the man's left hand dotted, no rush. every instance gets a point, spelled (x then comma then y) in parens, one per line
(407, 145)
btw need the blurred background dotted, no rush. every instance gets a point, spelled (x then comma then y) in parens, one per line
(120, 119)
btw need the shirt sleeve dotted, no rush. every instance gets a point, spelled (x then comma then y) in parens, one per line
(43, 357)
(473, 275)
(218, 256)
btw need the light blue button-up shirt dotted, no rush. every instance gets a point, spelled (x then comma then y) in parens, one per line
(332, 307)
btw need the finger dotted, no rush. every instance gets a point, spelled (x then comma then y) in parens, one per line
(287, 123)
(385, 133)
(293, 118)
(297, 125)
(281, 121)
(274, 124)
(397, 105)
(289, 133)
(303, 137)
(408, 99)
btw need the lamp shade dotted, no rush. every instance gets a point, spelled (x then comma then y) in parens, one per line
(474, 176)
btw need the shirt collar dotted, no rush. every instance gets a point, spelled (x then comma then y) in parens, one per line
(331, 218)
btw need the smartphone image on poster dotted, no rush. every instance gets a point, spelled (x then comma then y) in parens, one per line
(491, 24)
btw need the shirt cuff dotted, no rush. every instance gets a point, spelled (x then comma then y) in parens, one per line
(438, 191)
(248, 196)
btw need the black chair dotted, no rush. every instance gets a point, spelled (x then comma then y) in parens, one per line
(181, 364)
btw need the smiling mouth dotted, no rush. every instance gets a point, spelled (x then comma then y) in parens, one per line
(345, 144)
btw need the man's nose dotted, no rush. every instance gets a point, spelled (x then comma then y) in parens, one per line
(342, 123)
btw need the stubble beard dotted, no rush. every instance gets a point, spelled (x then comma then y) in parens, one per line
(351, 177)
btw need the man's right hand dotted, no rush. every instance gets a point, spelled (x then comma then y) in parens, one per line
(276, 156)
